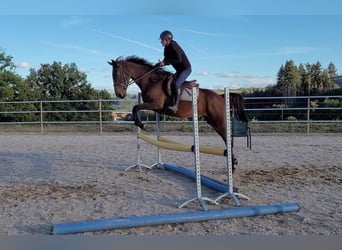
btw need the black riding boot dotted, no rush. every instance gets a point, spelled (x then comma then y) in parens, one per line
(174, 108)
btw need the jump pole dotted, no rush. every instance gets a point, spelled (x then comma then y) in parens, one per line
(139, 221)
(219, 187)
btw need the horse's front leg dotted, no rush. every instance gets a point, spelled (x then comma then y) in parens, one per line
(143, 106)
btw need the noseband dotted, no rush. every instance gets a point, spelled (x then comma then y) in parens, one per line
(123, 72)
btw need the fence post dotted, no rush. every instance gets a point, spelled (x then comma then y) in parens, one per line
(100, 109)
(41, 118)
(308, 117)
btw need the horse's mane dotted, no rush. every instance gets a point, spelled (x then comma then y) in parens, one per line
(141, 61)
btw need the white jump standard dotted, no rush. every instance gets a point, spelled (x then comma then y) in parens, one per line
(198, 196)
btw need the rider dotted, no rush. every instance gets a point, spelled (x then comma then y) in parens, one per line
(174, 55)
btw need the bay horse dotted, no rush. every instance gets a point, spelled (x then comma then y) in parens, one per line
(151, 81)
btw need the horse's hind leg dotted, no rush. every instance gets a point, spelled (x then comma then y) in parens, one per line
(219, 126)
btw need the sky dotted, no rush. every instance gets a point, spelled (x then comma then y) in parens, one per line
(228, 45)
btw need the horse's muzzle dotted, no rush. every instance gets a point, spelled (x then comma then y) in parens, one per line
(120, 95)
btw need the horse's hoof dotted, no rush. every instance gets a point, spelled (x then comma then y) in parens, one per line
(143, 127)
(235, 161)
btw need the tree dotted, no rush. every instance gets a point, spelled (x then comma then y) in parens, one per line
(59, 82)
(6, 62)
(288, 79)
(291, 78)
(332, 74)
(280, 87)
(316, 77)
(305, 79)
(310, 79)
(65, 82)
(12, 89)
(308, 68)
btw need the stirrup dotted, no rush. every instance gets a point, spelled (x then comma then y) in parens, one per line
(173, 108)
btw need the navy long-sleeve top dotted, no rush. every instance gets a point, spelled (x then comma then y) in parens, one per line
(174, 55)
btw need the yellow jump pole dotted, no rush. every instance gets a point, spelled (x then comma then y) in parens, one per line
(165, 145)
(205, 150)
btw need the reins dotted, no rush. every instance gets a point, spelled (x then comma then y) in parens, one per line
(131, 81)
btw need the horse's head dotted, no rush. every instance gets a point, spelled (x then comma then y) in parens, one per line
(132, 69)
(121, 78)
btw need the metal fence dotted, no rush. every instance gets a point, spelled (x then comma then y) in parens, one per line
(44, 113)
(311, 107)
(307, 110)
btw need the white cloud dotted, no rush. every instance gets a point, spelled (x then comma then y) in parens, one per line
(23, 65)
(233, 75)
(238, 80)
(203, 73)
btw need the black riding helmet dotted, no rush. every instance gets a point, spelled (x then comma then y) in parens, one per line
(166, 35)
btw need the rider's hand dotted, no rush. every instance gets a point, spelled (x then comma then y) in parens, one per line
(159, 64)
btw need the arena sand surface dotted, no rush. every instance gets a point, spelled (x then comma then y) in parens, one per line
(52, 179)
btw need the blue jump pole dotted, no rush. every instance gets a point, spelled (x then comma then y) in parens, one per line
(204, 180)
(172, 218)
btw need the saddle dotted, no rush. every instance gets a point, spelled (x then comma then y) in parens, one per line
(186, 88)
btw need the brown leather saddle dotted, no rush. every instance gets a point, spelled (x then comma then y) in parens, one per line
(170, 87)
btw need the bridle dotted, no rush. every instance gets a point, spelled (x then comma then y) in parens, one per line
(129, 82)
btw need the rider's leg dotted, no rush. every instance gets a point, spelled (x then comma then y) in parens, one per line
(180, 80)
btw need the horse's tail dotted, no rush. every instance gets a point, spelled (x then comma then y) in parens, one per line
(238, 106)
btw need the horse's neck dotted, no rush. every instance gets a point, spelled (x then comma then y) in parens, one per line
(143, 79)
(134, 70)
(137, 73)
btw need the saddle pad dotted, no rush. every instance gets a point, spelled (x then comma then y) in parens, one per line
(186, 93)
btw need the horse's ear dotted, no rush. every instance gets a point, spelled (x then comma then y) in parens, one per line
(113, 63)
